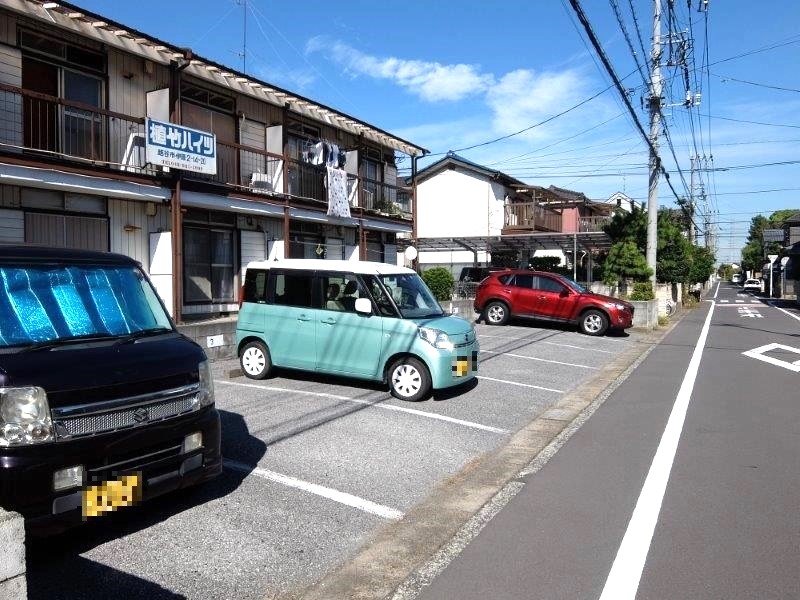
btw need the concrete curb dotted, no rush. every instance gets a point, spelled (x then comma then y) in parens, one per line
(12, 556)
(398, 554)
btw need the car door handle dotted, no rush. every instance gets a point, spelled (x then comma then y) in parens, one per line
(303, 318)
(542, 297)
(328, 321)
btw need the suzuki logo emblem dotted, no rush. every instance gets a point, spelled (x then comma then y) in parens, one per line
(140, 415)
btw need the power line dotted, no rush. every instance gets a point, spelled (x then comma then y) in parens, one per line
(787, 41)
(624, 29)
(751, 122)
(610, 69)
(540, 123)
(764, 85)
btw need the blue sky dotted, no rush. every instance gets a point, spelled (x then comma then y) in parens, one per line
(450, 75)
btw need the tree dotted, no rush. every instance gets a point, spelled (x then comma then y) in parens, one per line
(702, 264)
(754, 252)
(725, 271)
(440, 281)
(674, 250)
(628, 226)
(625, 261)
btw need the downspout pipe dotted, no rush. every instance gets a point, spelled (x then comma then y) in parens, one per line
(176, 69)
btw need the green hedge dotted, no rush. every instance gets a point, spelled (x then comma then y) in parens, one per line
(441, 281)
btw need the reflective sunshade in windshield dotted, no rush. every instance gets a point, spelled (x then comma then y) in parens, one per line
(412, 296)
(46, 303)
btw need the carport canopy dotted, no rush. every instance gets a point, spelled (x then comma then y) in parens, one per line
(589, 241)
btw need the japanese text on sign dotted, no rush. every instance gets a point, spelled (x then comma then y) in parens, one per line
(179, 147)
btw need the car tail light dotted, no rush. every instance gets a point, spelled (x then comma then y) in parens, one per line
(241, 295)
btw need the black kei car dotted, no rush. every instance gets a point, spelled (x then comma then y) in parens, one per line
(103, 404)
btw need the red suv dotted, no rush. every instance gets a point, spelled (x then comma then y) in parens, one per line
(549, 297)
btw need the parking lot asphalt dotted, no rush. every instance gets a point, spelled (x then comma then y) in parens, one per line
(315, 467)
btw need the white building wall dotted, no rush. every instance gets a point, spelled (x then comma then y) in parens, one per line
(458, 203)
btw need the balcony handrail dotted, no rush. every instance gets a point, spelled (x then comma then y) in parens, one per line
(69, 103)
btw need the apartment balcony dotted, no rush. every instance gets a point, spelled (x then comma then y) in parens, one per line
(41, 127)
(526, 217)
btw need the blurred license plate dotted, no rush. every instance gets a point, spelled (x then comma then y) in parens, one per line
(111, 495)
(464, 364)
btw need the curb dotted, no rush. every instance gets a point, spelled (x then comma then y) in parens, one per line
(402, 557)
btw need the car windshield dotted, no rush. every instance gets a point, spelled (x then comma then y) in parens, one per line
(412, 296)
(575, 285)
(58, 303)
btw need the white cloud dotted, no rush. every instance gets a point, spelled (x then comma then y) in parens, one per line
(431, 81)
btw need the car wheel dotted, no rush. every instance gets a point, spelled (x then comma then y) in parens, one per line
(255, 360)
(495, 313)
(594, 322)
(409, 379)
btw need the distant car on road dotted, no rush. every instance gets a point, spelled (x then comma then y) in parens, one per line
(753, 285)
(549, 297)
(736, 278)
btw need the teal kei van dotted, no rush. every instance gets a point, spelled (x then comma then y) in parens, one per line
(357, 319)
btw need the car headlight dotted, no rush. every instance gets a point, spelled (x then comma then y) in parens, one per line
(24, 416)
(205, 394)
(436, 338)
(616, 305)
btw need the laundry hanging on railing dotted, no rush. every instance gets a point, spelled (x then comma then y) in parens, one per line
(324, 153)
(336, 182)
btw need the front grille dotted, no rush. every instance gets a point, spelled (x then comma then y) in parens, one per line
(74, 422)
(470, 339)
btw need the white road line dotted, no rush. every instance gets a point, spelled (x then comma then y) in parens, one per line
(319, 490)
(724, 301)
(555, 362)
(786, 312)
(507, 337)
(717, 290)
(740, 301)
(626, 572)
(411, 411)
(527, 385)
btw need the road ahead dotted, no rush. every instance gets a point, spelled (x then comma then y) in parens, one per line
(684, 484)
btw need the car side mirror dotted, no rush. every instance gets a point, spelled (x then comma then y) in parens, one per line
(363, 306)
(564, 293)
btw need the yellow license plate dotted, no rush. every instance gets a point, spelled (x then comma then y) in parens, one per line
(461, 367)
(111, 495)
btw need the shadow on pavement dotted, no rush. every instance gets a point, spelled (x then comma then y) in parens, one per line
(56, 569)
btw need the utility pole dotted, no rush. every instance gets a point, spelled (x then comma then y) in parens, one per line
(654, 103)
(692, 234)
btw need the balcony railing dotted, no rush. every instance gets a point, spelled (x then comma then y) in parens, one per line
(531, 216)
(34, 122)
(586, 224)
(31, 122)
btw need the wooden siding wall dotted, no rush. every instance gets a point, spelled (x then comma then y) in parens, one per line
(135, 243)
(9, 196)
(12, 226)
(129, 79)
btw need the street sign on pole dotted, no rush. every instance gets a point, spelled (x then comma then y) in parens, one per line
(771, 258)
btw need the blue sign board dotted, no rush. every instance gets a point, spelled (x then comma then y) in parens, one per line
(180, 147)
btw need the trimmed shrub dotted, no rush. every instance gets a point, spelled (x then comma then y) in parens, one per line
(642, 291)
(441, 281)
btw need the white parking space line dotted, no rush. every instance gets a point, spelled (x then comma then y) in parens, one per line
(626, 571)
(319, 490)
(786, 312)
(508, 337)
(527, 385)
(555, 362)
(411, 411)
(717, 290)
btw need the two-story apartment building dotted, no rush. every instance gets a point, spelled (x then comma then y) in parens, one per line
(75, 91)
